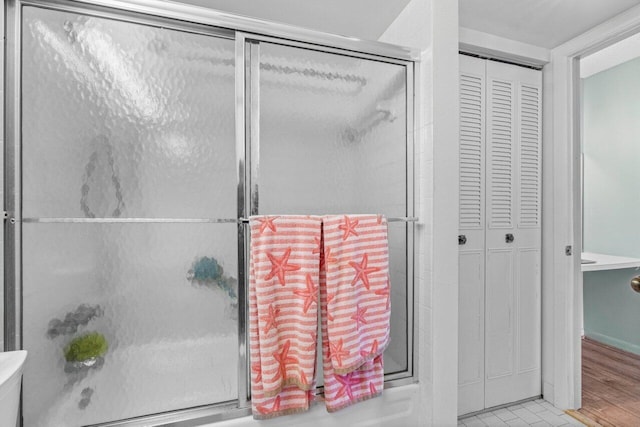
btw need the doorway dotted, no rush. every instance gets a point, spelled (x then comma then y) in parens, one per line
(610, 345)
(562, 276)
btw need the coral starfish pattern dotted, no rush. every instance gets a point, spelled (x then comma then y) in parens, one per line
(378, 360)
(337, 352)
(271, 319)
(279, 266)
(274, 408)
(267, 222)
(283, 360)
(257, 369)
(349, 227)
(373, 351)
(347, 382)
(310, 294)
(328, 258)
(384, 292)
(359, 316)
(362, 271)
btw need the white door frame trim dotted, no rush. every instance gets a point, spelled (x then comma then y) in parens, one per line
(562, 184)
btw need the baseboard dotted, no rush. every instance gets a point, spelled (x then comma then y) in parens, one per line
(614, 342)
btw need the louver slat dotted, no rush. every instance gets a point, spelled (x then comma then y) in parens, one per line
(500, 137)
(471, 153)
(529, 156)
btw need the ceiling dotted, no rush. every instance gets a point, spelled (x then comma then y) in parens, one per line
(544, 23)
(364, 19)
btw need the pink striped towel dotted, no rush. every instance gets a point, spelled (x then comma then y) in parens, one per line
(283, 307)
(355, 308)
(290, 261)
(356, 259)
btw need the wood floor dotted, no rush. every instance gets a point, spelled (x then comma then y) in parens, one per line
(610, 385)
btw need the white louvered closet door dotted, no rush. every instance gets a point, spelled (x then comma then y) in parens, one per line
(509, 293)
(471, 239)
(513, 234)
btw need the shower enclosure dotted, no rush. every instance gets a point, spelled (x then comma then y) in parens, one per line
(136, 146)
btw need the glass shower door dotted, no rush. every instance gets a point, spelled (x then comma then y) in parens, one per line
(333, 140)
(128, 158)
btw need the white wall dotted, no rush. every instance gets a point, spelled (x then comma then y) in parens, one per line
(444, 113)
(412, 27)
(610, 152)
(2, 13)
(432, 26)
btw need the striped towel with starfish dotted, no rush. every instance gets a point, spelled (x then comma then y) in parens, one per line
(293, 258)
(355, 307)
(283, 305)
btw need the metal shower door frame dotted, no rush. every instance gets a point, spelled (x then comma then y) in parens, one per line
(248, 34)
(252, 85)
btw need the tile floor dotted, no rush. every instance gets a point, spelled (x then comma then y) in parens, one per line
(537, 413)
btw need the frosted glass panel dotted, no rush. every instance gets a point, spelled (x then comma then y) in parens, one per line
(333, 140)
(131, 120)
(126, 120)
(332, 133)
(161, 303)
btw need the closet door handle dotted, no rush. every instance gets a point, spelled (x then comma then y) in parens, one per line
(462, 239)
(509, 238)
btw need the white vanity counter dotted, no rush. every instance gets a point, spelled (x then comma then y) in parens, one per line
(607, 262)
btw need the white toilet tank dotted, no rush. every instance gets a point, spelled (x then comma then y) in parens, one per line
(11, 364)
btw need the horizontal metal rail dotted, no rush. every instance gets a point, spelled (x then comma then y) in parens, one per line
(162, 220)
